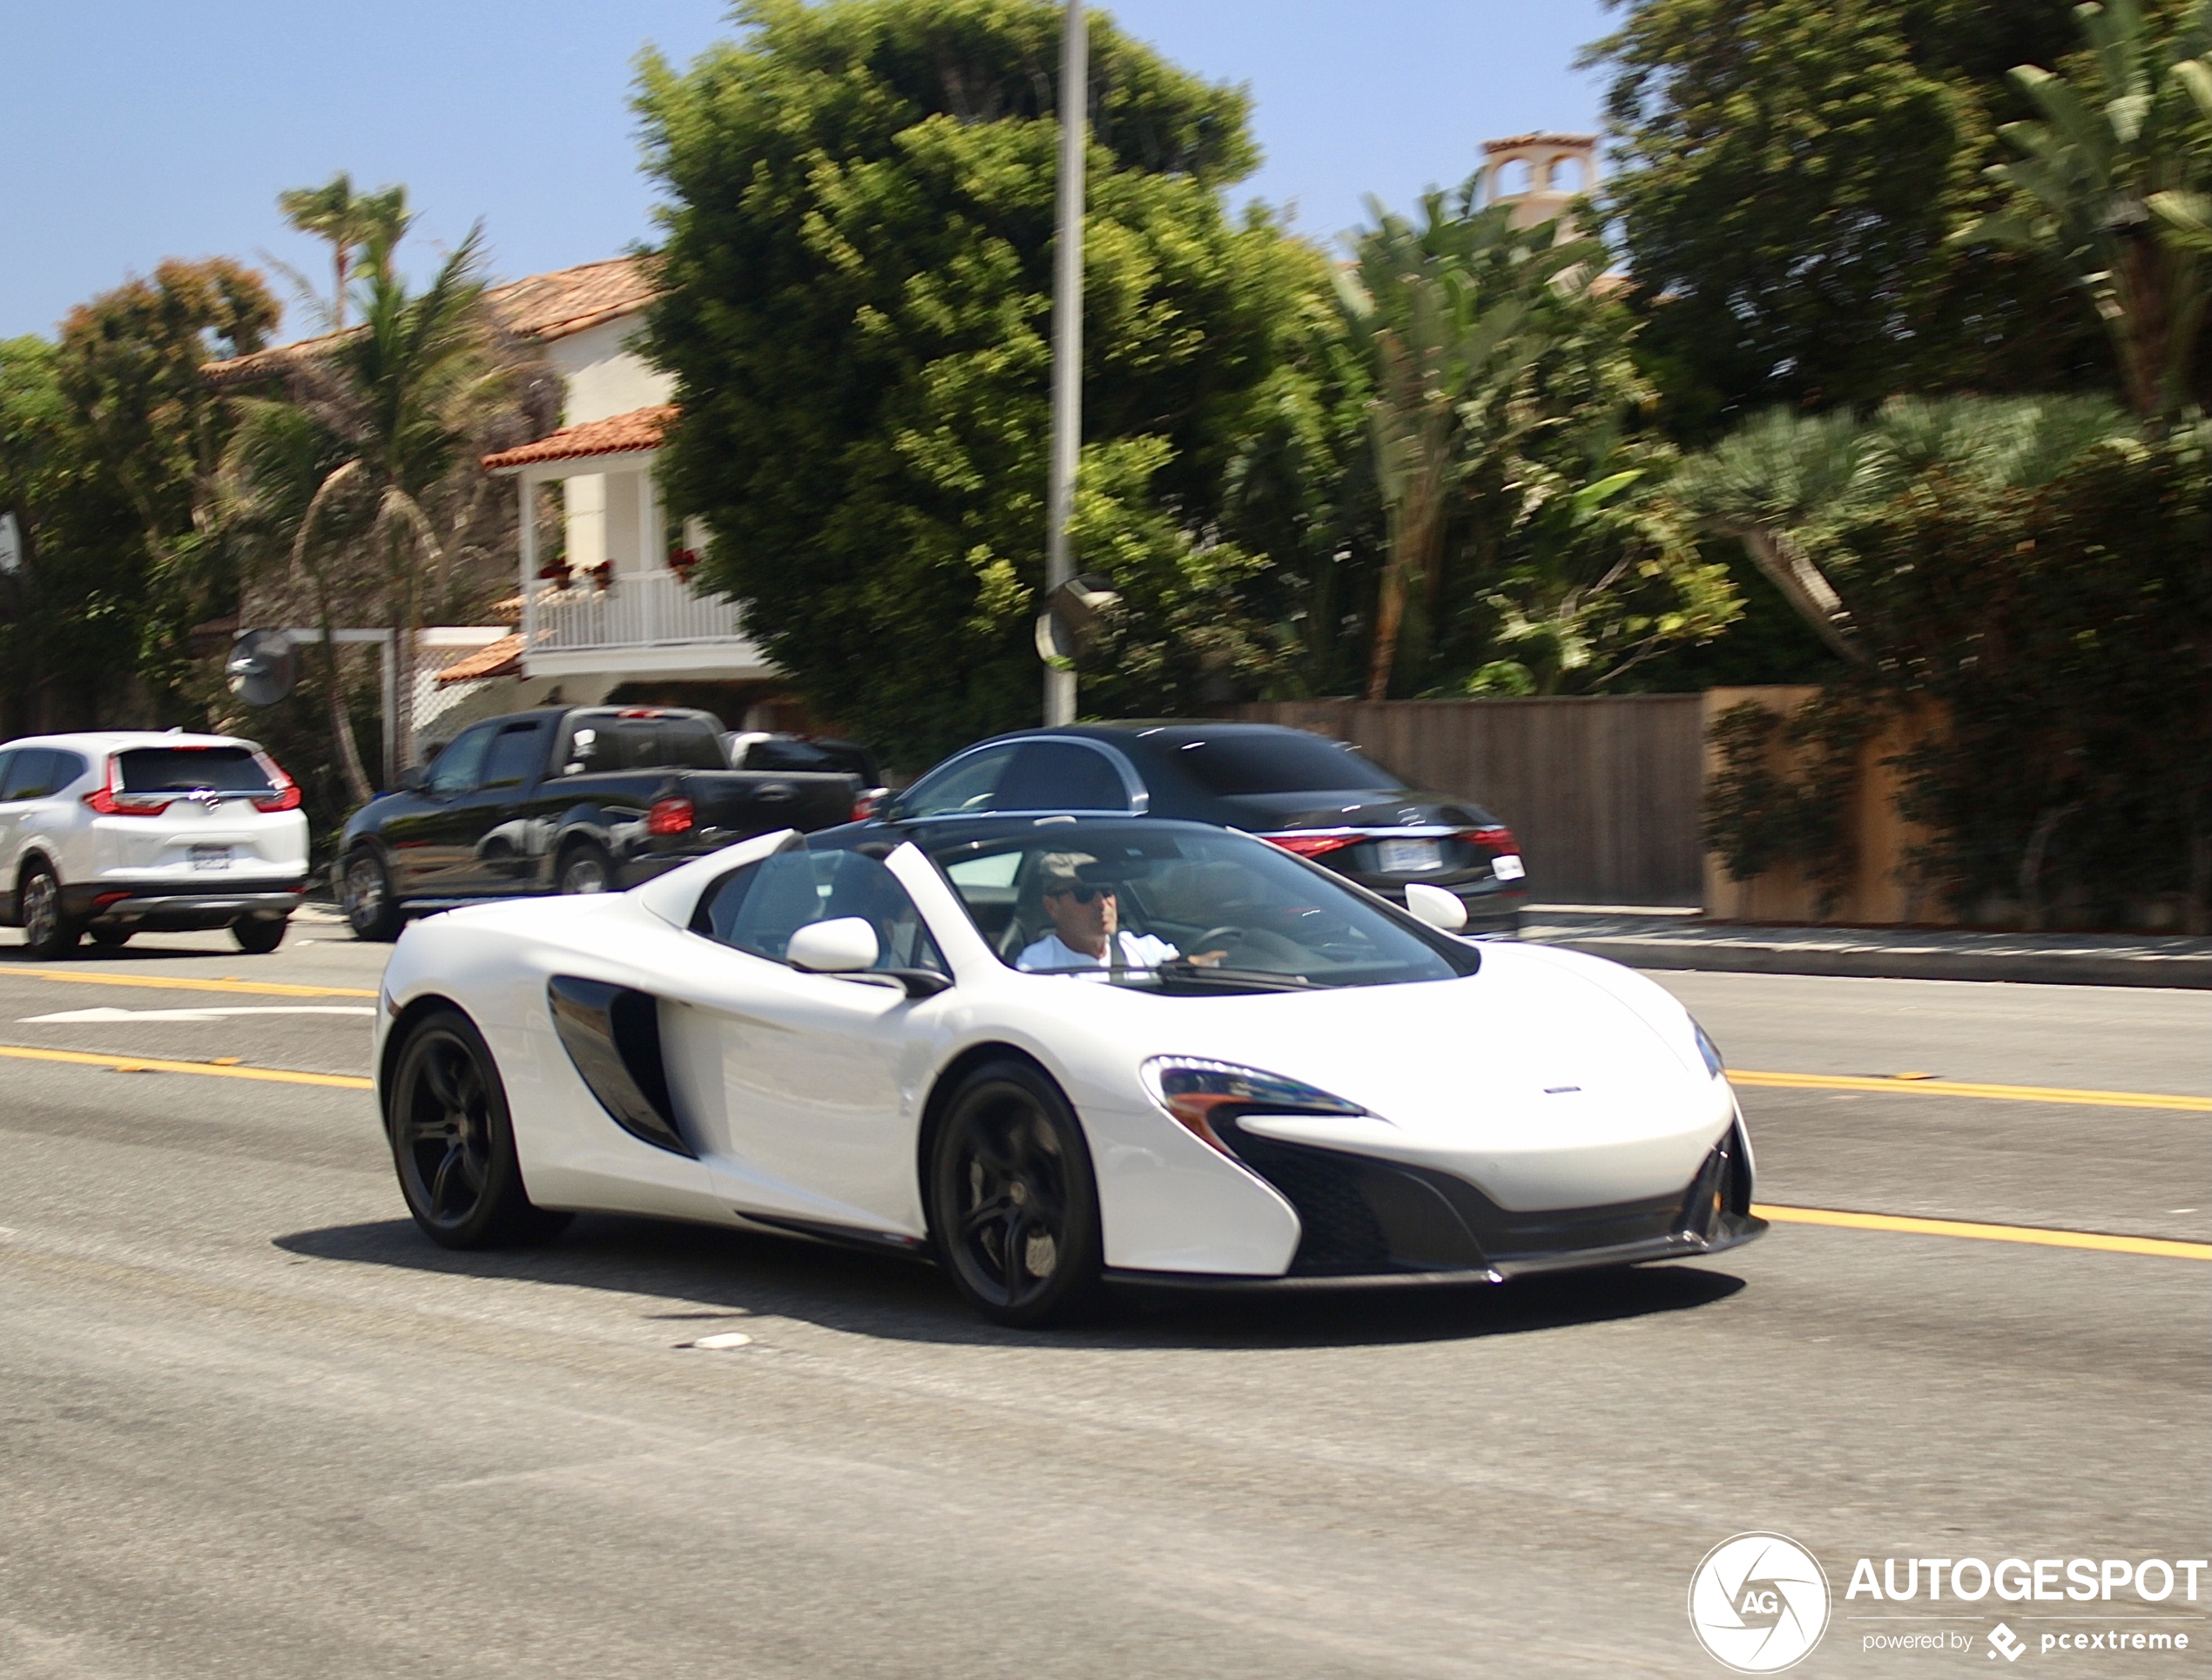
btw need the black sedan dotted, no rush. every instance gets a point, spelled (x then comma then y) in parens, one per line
(1315, 797)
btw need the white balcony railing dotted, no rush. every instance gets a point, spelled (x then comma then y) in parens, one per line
(640, 608)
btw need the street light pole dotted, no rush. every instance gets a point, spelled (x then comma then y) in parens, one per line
(1067, 337)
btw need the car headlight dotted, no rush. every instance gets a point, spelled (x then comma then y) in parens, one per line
(1710, 1051)
(1192, 1088)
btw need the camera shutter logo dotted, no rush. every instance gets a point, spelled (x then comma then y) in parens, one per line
(1758, 1604)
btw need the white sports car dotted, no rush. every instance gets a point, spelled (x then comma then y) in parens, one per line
(1053, 1053)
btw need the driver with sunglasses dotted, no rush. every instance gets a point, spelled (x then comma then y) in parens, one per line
(1086, 925)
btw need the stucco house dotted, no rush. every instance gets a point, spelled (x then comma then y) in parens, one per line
(607, 611)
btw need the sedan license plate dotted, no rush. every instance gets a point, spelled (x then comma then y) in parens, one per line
(211, 857)
(1410, 857)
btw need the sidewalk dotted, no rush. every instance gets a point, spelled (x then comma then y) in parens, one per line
(1658, 938)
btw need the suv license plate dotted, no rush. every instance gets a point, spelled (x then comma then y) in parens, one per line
(211, 857)
(1410, 857)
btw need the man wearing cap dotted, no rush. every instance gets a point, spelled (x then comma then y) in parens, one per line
(1086, 925)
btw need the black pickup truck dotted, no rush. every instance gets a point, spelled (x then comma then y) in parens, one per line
(579, 799)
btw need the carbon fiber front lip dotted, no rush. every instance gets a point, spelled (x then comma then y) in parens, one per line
(1737, 1229)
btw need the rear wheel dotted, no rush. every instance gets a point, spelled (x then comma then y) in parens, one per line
(453, 1140)
(585, 867)
(47, 931)
(372, 910)
(258, 935)
(1012, 1205)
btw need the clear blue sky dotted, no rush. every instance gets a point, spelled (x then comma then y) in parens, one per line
(137, 130)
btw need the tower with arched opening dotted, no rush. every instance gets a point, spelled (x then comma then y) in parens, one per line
(1538, 175)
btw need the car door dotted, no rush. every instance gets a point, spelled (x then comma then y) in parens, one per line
(796, 1085)
(503, 854)
(430, 841)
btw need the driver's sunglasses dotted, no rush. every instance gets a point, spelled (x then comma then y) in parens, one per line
(1081, 895)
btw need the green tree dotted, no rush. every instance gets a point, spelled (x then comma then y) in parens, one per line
(1791, 171)
(2108, 151)
(856, 305)
(350, 222)
(128, 368)
(1527, 549)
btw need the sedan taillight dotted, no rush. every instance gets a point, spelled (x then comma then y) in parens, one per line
(1312, 846)
(1495, 839)
(672, 815)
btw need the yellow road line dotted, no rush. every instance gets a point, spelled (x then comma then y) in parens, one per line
(152, 1064)
(172, 983)
(2039, 1235)
(1837, 1081)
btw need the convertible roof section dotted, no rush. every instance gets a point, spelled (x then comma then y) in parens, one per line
(673, 896)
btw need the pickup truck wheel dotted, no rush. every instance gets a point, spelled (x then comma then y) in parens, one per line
(372, 909)
(586, 868)
(47, 932)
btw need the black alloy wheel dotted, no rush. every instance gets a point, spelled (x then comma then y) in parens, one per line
(372, 908)
(454, 1143)
(113, 937)
(47, 930)
(258, 935)
(1012, 1205)
(586, 868)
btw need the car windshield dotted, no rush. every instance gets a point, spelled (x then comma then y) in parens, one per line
(1288, 761)
(1185, 908)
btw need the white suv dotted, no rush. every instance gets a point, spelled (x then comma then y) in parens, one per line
(110, 832)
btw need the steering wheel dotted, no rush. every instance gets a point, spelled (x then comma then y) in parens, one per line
(1259, 945)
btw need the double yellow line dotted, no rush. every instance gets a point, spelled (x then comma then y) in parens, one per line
(2038, 1235)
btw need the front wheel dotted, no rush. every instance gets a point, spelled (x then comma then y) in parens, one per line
(47, 931)
(372, 908)
(1012, 1205)
(258, 935)
(453, 1140)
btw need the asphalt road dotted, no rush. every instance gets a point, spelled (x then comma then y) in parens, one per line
(254, 1426)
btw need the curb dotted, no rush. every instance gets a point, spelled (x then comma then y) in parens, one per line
(2157, 960)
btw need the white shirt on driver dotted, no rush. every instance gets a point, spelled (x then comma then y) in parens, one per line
(1138, 951)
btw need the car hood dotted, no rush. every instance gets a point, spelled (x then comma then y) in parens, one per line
(1354, 808)
(1544, 1079)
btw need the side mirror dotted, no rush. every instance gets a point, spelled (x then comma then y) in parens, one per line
(411, 779)
(844, 946)
(1446, 911)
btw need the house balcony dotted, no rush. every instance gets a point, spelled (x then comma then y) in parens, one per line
(650, 622)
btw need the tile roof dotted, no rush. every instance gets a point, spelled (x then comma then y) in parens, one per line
(500, 658)
(544, 307)
(641, 428)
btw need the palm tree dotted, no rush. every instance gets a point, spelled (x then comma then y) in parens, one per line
(2110, 180)
(1448, 313)
(350, 221)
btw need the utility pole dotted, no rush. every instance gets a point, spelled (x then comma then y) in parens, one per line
(1067, 338)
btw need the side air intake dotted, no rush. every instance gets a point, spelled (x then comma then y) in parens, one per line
(612, 1034)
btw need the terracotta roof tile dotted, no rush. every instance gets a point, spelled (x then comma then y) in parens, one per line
(641, 428)
(500, 658)
(544, 307)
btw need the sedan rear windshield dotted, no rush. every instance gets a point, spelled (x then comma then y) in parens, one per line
(1289, 763)
(1188, 910)
(184, 769)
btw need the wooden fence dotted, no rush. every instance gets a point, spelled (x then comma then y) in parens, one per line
(1603, 791)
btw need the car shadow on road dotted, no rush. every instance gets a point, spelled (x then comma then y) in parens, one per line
(705, 1273)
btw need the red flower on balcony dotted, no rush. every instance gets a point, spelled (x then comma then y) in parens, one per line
(555, 572)
(682, 562)
(602, 576)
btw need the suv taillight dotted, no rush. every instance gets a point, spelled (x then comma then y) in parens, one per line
(673, 815)
(112, 801)
(284, 793)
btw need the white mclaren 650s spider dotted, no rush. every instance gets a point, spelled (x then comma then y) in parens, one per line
(1054, 1054)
